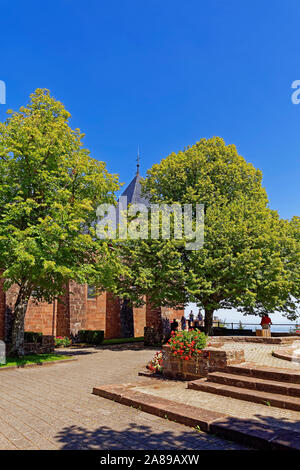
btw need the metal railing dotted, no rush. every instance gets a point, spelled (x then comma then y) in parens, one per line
(220, 323)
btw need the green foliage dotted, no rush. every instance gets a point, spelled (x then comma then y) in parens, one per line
(33, 359)
(250, 259)
(91, 336)
(32, 337)
(50, 188)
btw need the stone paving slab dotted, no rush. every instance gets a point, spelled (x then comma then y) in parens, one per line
(261, 354)
(168, 409)
(259, 435)
(53, 407)
(177, 391)
(252, 432)
(288, 354)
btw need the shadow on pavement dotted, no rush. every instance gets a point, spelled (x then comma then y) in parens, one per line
(139, 438)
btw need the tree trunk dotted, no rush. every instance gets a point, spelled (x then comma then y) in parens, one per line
(208, 321)
(17, 342)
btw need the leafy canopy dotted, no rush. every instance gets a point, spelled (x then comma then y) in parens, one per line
(50, 188)
(250, 256)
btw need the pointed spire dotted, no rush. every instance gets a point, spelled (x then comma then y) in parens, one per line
(138, 162)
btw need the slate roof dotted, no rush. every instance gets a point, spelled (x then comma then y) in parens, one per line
(133, 192)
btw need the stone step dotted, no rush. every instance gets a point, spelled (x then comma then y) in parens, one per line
(253, 383)
(251, 432)
(255, 396)
(264, 372)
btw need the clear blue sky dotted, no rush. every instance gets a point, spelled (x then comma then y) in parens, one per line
(163, 74)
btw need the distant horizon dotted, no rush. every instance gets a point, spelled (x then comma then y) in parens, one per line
(233, 316)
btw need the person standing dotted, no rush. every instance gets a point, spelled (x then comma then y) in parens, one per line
(200, 318)
(266, 322)
(191, 319)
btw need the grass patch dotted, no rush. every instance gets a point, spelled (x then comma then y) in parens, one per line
(33, 359)
(123, 340)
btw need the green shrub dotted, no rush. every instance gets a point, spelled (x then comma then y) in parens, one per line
(32, 337)
(91, 336)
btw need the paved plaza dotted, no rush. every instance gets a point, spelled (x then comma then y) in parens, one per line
(52, 407)
(261, 354)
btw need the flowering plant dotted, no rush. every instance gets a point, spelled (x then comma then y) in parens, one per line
(157, 362)
(62, 341)
(185, 344)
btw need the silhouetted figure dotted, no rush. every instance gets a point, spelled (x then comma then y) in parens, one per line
(183, 323)
(191, 319)
(200, 318)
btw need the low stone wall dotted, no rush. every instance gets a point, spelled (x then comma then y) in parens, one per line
(260, 339)
(46, 346)
(289, 354)
(209, 360)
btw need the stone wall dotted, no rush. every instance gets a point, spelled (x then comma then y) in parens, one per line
(158, 323)
(113, 321)
(40, 316)
(75, 311)
(63, 315)
(210, 359)
(77, 307)
(46, 346)
(96, 313)
(139, 320)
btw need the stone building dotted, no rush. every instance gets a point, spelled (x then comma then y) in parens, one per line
(80, 308)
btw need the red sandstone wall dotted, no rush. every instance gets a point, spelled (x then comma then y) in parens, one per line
(62, 315)
(74, 312)
(113, 322)
(171, 313)
(139, 320)
(40, 317)
(153, 316)
(96, 312)
(77, 307)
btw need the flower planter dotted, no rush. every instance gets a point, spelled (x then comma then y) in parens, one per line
(209, 360)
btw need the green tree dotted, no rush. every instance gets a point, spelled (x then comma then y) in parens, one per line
(49, 190)
(249, 256)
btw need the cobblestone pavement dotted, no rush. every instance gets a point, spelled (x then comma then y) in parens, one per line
(52, 407)
(177, 391)
(261, 354)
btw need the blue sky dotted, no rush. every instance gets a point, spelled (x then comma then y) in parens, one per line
(163, 75)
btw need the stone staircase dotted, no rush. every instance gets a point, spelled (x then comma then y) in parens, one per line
(265, 385)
